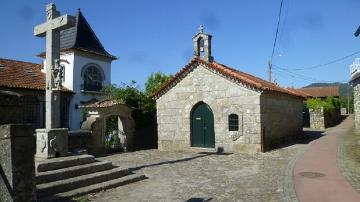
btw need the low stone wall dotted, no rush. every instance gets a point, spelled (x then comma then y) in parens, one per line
(17, 166)
(319, 119)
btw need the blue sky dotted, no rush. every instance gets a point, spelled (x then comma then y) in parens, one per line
(150, 36)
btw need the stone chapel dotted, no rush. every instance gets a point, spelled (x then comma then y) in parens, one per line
(210, 105)
(86, 69)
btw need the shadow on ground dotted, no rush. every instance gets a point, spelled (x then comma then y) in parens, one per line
(199, 155)
(309, 136)
(199, 200)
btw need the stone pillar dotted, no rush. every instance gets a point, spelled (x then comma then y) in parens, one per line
(317, 119)
(51, 143)
(17, 167)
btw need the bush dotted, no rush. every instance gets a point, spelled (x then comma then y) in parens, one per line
(329, 104)
(144, 113)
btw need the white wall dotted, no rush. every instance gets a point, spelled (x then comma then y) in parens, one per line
(73, 80)
(81, 60)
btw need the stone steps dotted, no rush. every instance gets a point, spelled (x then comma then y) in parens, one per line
(95, 188)
(64, 162)
(69, 172)
(80, 175)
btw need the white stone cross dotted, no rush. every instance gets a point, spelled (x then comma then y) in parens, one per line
(51, 30)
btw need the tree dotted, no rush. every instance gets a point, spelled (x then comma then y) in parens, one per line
(155, 81)
(130, 94)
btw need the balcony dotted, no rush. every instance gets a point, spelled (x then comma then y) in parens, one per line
(355, 67)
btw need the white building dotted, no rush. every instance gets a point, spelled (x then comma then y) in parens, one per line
(87, 68)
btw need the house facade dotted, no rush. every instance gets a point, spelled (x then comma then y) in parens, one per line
(210, 105)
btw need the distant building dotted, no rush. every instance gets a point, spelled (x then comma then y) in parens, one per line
(210, 105)
(87, 69)
(320, 92)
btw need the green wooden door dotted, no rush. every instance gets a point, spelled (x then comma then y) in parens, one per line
(202, 130)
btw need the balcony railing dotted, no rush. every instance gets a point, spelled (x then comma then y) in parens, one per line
(355, 67)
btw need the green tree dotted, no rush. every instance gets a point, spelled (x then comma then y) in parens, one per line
(155, 81)
(130, 94)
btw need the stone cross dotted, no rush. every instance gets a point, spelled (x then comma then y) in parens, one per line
(51, 30)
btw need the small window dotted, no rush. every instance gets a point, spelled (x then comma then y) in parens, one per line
(233, 122)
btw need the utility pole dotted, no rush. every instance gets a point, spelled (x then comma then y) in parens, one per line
(270, 70)
(348, 99)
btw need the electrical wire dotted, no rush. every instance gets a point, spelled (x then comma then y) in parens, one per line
(324, 64)
(300, 76)
(277, 31)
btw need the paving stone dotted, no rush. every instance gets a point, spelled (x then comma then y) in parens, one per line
(184, 176)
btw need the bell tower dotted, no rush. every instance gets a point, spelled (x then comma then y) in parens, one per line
(202, 45)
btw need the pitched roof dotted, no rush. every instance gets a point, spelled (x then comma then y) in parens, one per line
(305, 95)
(103, 104)
(82, 37)
(19, 74)
(321, 91)
(226, 71)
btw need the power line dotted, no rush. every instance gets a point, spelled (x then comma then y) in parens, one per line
(274, 45)
(324, 64)
(277, 31)
(303, 77)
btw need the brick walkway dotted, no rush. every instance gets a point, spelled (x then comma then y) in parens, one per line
(316, 173)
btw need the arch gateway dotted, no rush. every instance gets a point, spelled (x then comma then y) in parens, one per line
(208, 105)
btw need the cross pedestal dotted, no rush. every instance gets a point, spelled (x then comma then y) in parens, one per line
(52, 141)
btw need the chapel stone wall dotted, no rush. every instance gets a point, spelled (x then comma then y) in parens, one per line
(281, 117)
(224, 97)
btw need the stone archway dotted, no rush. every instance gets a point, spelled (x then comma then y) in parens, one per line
(96, 122)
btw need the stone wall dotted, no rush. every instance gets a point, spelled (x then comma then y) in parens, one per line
(281, 117)
(357, 103)
(224, 97)
(17, 167)
(319, 119)
(11, 108)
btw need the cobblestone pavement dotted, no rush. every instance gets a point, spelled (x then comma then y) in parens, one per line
(349, 158)
(174, 176)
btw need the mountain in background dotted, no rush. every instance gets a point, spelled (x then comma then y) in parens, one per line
(342, 89)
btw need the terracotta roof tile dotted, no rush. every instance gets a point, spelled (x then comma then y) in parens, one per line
(19, 74)
(321, 91)
(103, 104)
(226, 71)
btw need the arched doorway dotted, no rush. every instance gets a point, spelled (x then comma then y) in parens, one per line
(202, 126)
